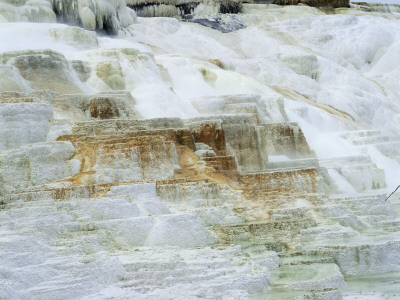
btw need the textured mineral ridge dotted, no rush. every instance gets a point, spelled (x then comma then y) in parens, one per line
(156, 158)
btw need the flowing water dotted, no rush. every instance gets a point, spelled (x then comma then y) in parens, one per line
(335, 74)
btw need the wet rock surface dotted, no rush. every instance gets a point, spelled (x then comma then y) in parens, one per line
(126, 185)
(223, 24)
(179, 162)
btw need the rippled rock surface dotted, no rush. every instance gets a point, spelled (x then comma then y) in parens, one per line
(176, 161)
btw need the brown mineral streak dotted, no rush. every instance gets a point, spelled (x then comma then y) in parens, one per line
(262, 190)
(221, 168)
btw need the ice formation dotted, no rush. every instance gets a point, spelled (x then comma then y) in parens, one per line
(170, 160)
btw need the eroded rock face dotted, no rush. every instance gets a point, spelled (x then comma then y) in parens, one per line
(116, 182)
(97, 202)
(287, 139)
(262, 110)
(36, 164)
(23, 123)
(44, 69)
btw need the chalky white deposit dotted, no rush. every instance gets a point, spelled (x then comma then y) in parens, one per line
(89, 207)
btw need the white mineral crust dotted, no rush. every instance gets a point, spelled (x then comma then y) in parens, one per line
(95, 203)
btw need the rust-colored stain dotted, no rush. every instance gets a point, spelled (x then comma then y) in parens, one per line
(98, 142)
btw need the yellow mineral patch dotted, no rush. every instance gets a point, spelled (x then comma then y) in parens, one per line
(209, 76)
(111, 74)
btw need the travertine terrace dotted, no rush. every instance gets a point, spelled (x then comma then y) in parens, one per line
(142, 166)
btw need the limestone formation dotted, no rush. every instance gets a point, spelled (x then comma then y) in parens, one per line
(172, 8)
(109, 16)
(41, 69)
(126, 182)
(138, 167)
(317, 3)
(198, 8)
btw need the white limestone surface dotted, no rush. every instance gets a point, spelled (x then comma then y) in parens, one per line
(329, 73)
(36, 164)
(23, 123)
